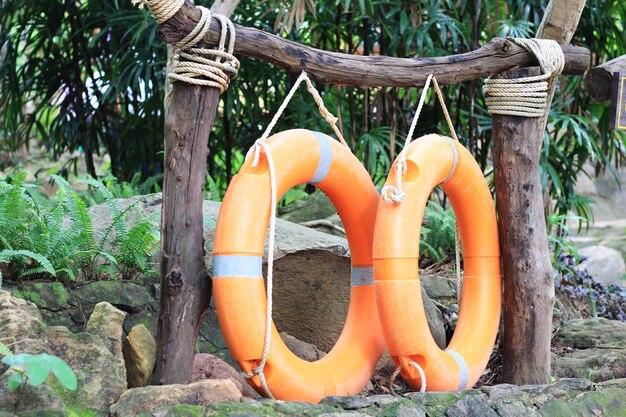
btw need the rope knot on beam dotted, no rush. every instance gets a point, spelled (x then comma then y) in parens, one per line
(527, 96)
(192, 64)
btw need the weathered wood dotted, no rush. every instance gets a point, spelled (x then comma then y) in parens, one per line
(527, 268)
(599, 80)
(618, 106)
(185, 285)
(370, 71)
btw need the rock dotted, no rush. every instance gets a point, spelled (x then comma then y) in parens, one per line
(95, 358)
(19, 319)
(106, 322)
(312, 288)
(206, 366)
(441, 288)
(354, 402)
(608, 402)
(46, 295)
(147, 399)
(435, 320)
(497, 392)
(604, 264)
(301, 349)
(472, 406)
(127, 296)
(588, 333)
(514, 409)
(312, 207)
(593, 348)
(139, 350)
(595, 364)
(404, 411)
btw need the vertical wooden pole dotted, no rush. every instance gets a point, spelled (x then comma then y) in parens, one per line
(185, 285)
(528, 274)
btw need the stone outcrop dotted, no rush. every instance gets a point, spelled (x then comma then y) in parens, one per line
(591, 348)
(95, 358)
(139, 350)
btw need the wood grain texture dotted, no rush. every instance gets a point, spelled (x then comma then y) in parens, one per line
(369, 71)
(185, 284)
(527, 267)
(599, 80)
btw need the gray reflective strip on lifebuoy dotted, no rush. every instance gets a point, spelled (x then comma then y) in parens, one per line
(362, 275)
(456, 159)
(462, 367)
(326, 158)
(240, 266)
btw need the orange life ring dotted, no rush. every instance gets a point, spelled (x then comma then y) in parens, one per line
(436, 160)
(300, 156)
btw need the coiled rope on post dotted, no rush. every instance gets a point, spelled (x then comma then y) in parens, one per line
(526, 96)
(193, 65)
(162, 10)
(261, 145)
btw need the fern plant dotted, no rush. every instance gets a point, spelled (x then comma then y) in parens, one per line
(132, 248)
(56, 239)
(5, 350)
(437, 237)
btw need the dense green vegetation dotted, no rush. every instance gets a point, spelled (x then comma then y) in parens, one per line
(54, 238)
(89, 76)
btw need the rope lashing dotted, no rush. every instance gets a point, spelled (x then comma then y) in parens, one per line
(526, 96)
(203, 66)
(193, 65)
(255, 151)
(162, 10)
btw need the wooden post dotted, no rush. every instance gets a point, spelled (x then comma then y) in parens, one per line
(527, 269)
(185, 285)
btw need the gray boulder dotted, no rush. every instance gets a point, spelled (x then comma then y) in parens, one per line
(145, 399)
(312, 270)
(604, 264)
(591, 348)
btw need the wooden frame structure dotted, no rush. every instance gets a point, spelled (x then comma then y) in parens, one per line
(528, 279)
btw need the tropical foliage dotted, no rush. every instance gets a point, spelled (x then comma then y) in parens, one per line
(55, 238)
(88, 76)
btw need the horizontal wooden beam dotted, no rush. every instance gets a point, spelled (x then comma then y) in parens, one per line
(497, 56)
(599, 80)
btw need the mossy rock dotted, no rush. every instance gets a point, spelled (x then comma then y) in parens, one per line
(609, 402)
(125, 295)
(51, 296)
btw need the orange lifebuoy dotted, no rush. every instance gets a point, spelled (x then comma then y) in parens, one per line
(436, 160)
(299, 156)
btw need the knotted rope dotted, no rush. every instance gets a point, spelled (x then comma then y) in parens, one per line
(255, 151)
(397, 371)
(193, 65)
(162, 10)
(526, 96)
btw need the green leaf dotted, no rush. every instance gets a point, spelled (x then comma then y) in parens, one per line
(18, 360)
(63, 372)
(15, 381)
(38, 369)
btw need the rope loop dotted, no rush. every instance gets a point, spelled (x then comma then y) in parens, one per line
(203, 66)
(526, 96)
(393, 194)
